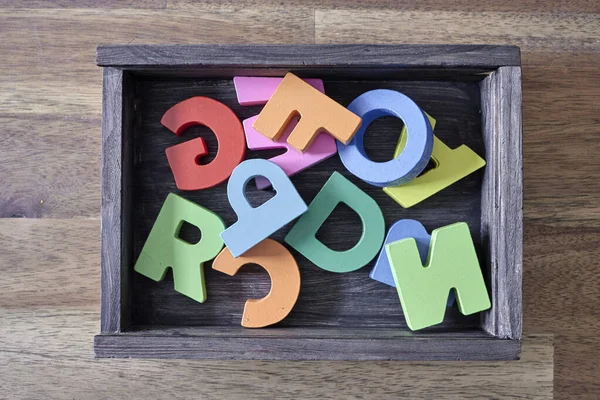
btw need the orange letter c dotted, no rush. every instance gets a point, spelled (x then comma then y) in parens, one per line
(285, 281)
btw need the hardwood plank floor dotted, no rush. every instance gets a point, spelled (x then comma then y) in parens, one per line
(50, 112)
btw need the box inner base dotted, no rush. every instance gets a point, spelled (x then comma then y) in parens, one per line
(327, 300)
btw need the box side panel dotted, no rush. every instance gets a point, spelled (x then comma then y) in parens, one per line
(302, 56)
(115, 235)
(361, 346)
(502, 200)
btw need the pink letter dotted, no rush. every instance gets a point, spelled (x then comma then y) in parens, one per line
(258, 90)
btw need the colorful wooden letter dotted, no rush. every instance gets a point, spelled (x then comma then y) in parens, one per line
(302, 236)
(452, 263)
(255, 91)
(164, 248)
(450, 166)
(184, 158)
(317, 112)
(292, 161)
(256, 224)
(285, 281)
(411, 161)
(403, 229)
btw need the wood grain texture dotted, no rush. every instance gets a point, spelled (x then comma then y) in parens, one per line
(372, 346)
(576, 373)
(48, 178)
(46, 39)
(572, 31)
(49, 264)
(577, 286)
(560, 166)
(291, 57)
(520, 6)
(36, 4)
(502, 200)
(64, 367)
(114, 209)
(50, 93)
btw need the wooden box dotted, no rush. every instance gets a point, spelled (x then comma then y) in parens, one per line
(474, 92)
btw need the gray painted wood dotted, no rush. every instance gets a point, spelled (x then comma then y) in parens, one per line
(236, 331)
(112, 103)
(350, 300)
(378, 346)
(502, 200)
(355, 318)
(298, 56)
(117, 162)
(376, 62)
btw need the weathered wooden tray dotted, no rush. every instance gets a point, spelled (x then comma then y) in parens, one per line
(474, 92)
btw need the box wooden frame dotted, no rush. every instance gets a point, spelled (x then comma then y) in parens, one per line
(498, 70)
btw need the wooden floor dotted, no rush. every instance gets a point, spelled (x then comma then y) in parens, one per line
(50, 110)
